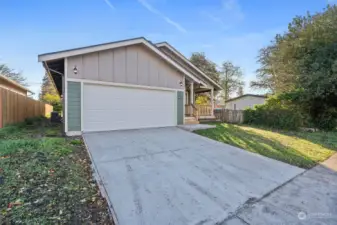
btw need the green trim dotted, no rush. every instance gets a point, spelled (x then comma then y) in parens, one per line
(180, 107)
(74, 106)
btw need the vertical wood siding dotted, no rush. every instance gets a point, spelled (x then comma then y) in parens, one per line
(131, 65)
(74, 106)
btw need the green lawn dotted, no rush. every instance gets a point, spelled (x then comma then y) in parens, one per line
(46, 178)
(302, 149)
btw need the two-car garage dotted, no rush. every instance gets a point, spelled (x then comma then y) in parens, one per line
(128, 84)
(117, 107)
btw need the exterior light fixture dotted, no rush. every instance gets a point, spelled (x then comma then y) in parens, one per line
(75, 70)
(181, 83)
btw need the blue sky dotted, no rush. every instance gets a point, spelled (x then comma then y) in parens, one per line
(224, 29)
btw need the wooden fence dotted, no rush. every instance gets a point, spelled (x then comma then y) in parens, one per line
(229, 116)
(16, 107)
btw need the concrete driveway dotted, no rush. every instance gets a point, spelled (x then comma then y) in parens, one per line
(171, 176)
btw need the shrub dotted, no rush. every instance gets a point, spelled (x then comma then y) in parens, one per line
(76, 142)
(321, 110)
(276, 113)
(29, 121)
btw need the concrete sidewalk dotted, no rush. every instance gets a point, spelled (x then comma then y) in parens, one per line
(308, 199)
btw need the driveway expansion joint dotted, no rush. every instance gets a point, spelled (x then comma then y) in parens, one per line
(141, 156)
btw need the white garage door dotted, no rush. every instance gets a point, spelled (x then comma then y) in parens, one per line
(114, 108)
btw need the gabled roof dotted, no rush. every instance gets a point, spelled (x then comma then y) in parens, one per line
(14, 83)
(182, 57)
(111, 45)
(246, 95)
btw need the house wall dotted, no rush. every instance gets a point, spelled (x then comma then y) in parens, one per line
(245, 102)
(180, 107)
(7, 85)
(184, 65)
(74, 106)
(131, 65)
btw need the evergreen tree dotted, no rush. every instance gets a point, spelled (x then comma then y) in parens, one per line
(49, 94)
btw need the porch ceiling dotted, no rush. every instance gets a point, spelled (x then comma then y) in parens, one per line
(55, 68)
(198, 88)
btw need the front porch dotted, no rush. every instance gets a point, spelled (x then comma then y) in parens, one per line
(194, 112)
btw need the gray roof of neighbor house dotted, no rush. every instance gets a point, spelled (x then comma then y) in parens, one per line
(246, 95)
(16, 84)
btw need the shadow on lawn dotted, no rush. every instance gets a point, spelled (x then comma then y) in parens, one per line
(256, 143)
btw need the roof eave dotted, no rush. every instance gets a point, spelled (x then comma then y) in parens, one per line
(16, 84)
(112, 45)
(160, 44)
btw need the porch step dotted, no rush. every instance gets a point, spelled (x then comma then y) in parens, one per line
(190, 120)
(208, 119)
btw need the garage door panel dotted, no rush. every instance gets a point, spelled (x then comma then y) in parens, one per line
(113, 108)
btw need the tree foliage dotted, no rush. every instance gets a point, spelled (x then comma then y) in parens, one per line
(47, 87)
(13, 75)
(49, 94)
(231, 79)
(277, 112)
(205, 65)
(202, 99)
(240, 91)
(302, 62)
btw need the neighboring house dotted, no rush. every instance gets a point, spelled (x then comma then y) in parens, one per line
(11, 85)
(127, 84)
(244, 101)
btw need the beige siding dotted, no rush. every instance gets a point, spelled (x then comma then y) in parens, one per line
(7, 85)
(132, 65)
(90, 66)
(132, 71)
(245, 102)
(143, 67)
(105, 67)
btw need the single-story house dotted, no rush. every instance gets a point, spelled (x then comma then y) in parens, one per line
(127, 84)
(244, 101)
(13, 86)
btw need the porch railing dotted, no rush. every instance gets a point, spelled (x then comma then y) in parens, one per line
(205, 110)
(198, 110)
(188, 110)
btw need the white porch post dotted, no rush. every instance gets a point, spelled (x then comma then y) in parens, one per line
(192, 93)
(212, 100)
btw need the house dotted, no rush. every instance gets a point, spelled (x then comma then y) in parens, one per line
(244, 101)
(13, 86)
(127, 84)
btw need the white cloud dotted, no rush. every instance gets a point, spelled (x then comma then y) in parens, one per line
(109, 4)
(229, 14)
(233, 7)
(167, 19)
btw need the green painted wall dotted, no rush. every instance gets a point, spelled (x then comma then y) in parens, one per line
(74, 106)
(180, 107)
